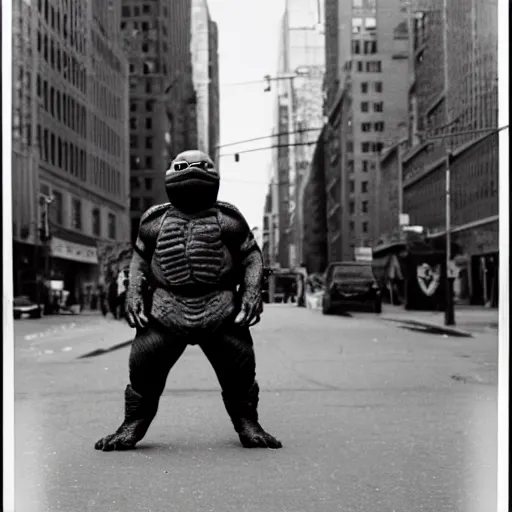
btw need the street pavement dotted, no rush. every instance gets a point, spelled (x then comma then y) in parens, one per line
(373, 418)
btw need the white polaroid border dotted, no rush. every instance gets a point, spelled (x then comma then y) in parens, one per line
(7, 292)
(504, 268)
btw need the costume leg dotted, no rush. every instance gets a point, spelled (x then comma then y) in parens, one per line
(231, 354)
(151, 358)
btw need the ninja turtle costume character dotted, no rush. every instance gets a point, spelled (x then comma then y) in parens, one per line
(195, 279)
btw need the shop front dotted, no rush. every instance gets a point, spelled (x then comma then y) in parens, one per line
(76, 266)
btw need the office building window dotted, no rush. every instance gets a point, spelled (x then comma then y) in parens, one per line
(360, 66)
(351, 207)
(364, 187)
(379, 127)
(356, 47)
(133, 123)
(149, 163)
(373, 66)
(365, 165)
(133, 141)
(366, 127)
(364, 87)
(96, 222)
(350, 146)
(378, 106)
(351, 186)
(112, 226)
(149, 106)
(134, 183)
(364, 206)
(377, 86)
(364, 106)
(352, 225)
(370, 47)
(148, 203)
(357, 24)
(146, 9)
(57, 208)
(377, 147)
(365, 227)
(76, 214)
(149, 88)
(365, 147)
(370, 24)
(350, 166)
(134, 162)
(149, 183)
(149, 142)
(134, 204)
(125, 11)
(133, 107)
(149, 123)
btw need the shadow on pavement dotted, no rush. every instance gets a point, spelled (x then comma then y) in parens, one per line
(432, 329)
(102, 351)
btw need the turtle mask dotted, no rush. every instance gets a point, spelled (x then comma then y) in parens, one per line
(192, 182)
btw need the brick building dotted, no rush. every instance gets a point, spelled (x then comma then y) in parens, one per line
(70, 140)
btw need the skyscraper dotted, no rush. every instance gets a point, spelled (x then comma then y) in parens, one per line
(172, 49)
(70, 140)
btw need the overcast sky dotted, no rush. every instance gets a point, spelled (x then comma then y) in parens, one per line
(248, 42)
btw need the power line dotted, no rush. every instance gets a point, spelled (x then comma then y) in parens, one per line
(268, 137)
(269, 147)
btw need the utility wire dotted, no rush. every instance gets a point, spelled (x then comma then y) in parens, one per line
(269, 136)
(269, 147)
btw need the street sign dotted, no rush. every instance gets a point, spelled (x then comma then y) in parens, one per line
(363, 253)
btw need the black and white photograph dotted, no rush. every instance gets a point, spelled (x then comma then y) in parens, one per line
(255, 255)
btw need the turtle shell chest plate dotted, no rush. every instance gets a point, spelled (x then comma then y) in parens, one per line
(190, 250)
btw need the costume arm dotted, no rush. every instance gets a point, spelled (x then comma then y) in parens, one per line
(136, 293)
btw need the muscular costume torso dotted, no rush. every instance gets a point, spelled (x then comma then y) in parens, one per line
(195, 265)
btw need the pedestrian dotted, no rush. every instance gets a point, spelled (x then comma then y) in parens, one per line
(112, 298)
(102, 296)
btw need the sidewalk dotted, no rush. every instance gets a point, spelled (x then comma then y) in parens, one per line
(468, 319)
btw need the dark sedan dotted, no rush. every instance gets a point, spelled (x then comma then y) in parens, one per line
(23, 307)
(349, 285)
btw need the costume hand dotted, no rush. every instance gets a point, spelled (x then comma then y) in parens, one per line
(252, 307)
(135, 313)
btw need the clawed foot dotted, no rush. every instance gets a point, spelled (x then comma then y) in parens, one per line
(253, 436)
(124, 439)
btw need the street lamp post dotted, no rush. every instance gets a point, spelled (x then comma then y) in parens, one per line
(449, 315)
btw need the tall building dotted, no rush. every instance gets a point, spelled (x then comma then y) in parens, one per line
(70, 140)
(454, 106)
(174, 91)
(299, 102)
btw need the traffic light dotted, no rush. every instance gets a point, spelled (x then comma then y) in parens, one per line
(268, 86)
(237, 157)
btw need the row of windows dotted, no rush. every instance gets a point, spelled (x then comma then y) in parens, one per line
(135, 183)
(370, 66)
(149, 86)
(364, 207)
(371, 147)
(61, 154)
(148, 106)
(108, 55)
(134, 142)
(134, 123)
(362, 25)
(364, 226)
(105, 138)
(62, 107)
(141, 203)
(65, 24)
(364, 47)
(59, 60)
(106, 101)
(352, 186)
(364, 4)
(147, 45)
(377, 127)
(105, 176)
(378, 106)
(376, 87)
(149, 67)
(136, 163)
(366, 166)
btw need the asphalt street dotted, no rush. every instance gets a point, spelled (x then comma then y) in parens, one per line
(373, 418)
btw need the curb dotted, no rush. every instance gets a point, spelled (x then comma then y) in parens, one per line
(440, 329)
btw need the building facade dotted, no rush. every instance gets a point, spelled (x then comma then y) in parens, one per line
(70, 141)
(172, 50)
(454, 107)
(314, 244)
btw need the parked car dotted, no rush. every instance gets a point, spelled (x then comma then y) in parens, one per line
(349, 284)
(24, 307)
